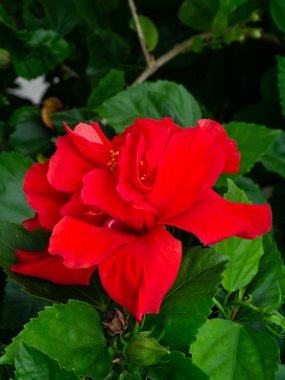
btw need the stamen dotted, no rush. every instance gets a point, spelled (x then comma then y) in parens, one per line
(113, 161)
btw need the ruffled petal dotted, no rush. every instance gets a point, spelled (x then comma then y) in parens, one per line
(213, 218)
(100, 191)
(143, 145)
(32, 224)
(42, 197)
(51, 268)
(67, 166)
(228, 146)
(138, 275)
(91, 143)
(84, 245)
(191, 162)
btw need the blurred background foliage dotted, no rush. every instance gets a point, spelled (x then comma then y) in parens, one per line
(229, 55)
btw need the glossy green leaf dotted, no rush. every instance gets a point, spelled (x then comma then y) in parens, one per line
(281, 79)
(107, 51)
(71, 334)
(177, 367)
(107, 87)
(155, 100)
(18, 307)
(274, 158)
(149, 30)
(227, 350)
(244, 255)
(62, 15)
(277, 10)
(251, 189)
(37, 52)
(265, 288)
(198, 14)
(14, 237)
(32, 364)
(31, 136)
(189, 301)
(251, 148)
(13, 205)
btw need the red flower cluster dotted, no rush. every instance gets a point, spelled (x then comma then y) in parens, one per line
(107, 204)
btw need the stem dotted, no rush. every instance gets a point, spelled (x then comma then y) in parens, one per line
(148, 58)
(185, 46)
(247, 305)
(220, 307)
(168, 56)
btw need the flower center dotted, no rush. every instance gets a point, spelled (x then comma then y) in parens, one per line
(114, 160)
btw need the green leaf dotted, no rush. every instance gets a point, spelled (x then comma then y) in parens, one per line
(281, 372)
(30, 135)
(107, 51)
(277, 10)
(281, 79)
(64, 19)
(244, 254)
(265, 287)
(32, 364)
(229, 6)
(198, 14)
(154, 100)
(107, 87)
(177, 367)
(251, 189)
(227, 350)
(14, 237)
(6, 19)
(13, 205)
(274, 158)
(189, 301)
(71, 117)
(71, 334)
(18, 307)
(149, 30)
(251, 148)
(37, 52)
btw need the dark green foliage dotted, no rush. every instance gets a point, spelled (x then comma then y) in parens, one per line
(221, 317)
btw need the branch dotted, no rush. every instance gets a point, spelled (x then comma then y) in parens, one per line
(178, 49)
(185, 46)
(148, 57)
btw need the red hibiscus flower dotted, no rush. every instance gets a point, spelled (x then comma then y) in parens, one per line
(107, 203)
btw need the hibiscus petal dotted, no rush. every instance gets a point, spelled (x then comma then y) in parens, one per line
(144, 143)
(100, 191)
(213, 218)
(32, 224)
(138, 275)
(90, 142)
(84, 245)
(191, 162)
(42, 197)
(51, 268)
(67, 166)
(228, 146)
(91, 132)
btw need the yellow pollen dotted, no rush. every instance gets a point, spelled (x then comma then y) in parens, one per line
(113, 161)
(141, 163)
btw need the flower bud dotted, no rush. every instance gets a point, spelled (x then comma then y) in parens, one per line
(145, 351)
(255, 16)
(4, 58)
(276, 319)
(255, 33)
(115, 323)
